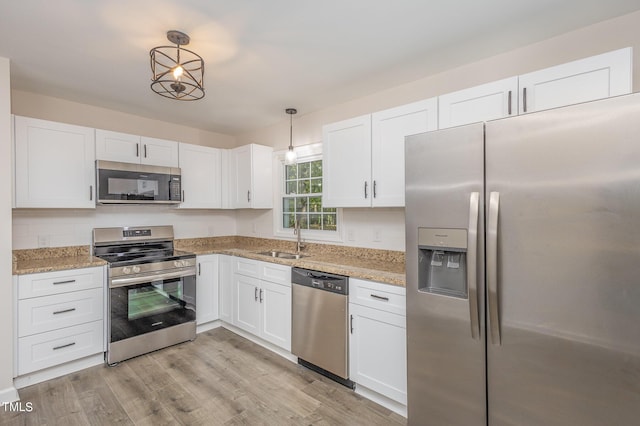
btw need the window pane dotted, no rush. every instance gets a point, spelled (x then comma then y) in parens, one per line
(292, 187)
(303, 170)
(301, 204)
(288, 205)
(288, 221)
(316, 168)
(291, 172)
(315, 204)
(316, 186)
(329, 209)
(303, 220)
(315, 221)
(304, 186)
(329, 222)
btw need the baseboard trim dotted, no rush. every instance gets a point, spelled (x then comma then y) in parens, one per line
(9, 395)
(386, 402)
(58, 371)
(201, 328)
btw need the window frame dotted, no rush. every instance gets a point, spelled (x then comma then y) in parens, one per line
(305, 153)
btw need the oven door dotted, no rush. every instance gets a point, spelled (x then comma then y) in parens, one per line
(143, 304)
(124, 183)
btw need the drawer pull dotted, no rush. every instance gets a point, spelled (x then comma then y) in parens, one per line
(375, 296)
(64, 282)
(64, 346)
(64, 311)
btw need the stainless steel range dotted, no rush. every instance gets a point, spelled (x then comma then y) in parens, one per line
(152, 290)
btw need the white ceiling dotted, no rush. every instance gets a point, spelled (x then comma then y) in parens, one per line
(264, 56)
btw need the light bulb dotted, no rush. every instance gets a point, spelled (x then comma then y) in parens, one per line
(177, 72)
(290, 157)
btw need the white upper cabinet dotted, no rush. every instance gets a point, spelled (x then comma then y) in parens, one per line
(480, 103)
(201, 177)
(363, 157)
(250, 177)
(596, 77)
(388, 130)
(126, 148)
(346, 163)
(54, 164)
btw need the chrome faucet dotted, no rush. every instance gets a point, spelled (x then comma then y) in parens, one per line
(296, 230)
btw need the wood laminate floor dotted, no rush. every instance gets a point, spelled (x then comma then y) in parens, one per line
(219, 379)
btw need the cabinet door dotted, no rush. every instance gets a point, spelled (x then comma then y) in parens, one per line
(159, 152)
(378, 356)
(346, 163)
(54, 164)
(240, 177)
(201, 178)
(275, 302)
(388, 130)
(481, 103)
(226, 286)
(247, 303)
(261, 177)
(114, 146)
(588, 79)
(207, 289)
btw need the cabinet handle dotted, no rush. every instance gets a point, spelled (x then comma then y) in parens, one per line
(255, 293)
(64, 282)
(375, 185)
(248, 196)
(137, 150)
(199, 269)
(375, 296)
(524, 99)
(64, 311)
(183, 195)
(509, 101)
(261, 296)
(145, 150)
(366, 184)
(90, 192)
(351, 323)
(64, 346)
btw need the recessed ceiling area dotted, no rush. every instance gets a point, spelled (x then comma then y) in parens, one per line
(262, 57)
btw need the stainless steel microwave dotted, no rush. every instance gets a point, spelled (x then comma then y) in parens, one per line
(127, 183)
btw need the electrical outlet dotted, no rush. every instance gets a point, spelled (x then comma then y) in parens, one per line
(44, 241)
(253, 227)
(376, 234)
(351, 235)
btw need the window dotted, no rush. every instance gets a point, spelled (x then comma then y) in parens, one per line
(302, 198)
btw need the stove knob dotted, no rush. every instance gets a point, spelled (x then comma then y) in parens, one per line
(126, 270)
(136, 269)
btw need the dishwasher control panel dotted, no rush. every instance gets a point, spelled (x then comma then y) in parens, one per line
(320, 280)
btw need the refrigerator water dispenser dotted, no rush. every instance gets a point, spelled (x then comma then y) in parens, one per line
(442, 261)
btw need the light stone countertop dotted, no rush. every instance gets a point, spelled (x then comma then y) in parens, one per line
(370, 264)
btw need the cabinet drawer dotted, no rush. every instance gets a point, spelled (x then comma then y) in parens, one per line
(246, 267)
(279, 274)
(56, 347)
(41, 314)
(35, 285)
(375, 295)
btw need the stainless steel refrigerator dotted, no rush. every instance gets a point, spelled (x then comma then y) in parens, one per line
(523, 269)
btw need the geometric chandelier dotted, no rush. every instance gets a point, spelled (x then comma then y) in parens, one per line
(177, 72)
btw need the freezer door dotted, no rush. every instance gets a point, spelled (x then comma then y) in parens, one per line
(445, 286)
(563, 265)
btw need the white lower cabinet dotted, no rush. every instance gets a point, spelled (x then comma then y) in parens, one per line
(377, 343)
(207, 283)
(262, 304)
(59, 317)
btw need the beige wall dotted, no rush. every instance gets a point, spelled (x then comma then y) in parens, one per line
(7, 392)
(55, 109)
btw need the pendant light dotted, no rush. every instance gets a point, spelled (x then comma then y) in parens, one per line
(290, 157)
(177, 72)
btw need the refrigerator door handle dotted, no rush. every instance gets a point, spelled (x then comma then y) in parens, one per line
(492, 267)
(472, 264)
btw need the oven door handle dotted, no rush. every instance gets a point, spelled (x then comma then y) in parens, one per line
(141, 279)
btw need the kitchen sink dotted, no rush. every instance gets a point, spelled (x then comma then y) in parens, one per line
(282, 254)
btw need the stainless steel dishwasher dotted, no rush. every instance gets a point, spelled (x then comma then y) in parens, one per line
(320, 325)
